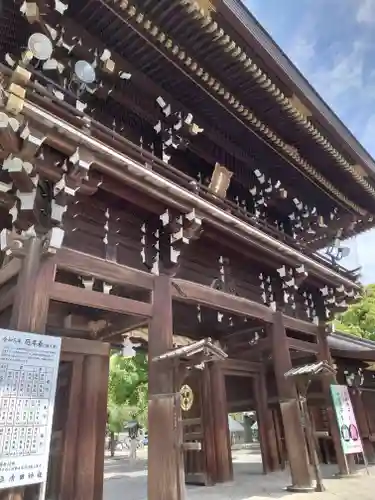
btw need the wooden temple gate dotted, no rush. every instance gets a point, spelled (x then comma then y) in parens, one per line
(85, 365)
(118, 218)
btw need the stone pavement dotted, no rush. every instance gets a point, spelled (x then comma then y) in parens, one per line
(124, 481)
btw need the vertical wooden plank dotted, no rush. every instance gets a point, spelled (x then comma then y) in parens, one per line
(260, 391)
(68, 463)
(218, 395)
(163, 455)
(160, 338)
(364, 429)
(101, 426)
(273, 441)
(31, 302)
(289, 407)
(88, 423)
(164, 475)
(324, 354)
(179, 440)
(44, 281)
(22, 313)
(276, 418)
(208, 425)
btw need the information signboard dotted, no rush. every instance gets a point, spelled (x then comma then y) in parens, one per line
(349, 433)
(28, 374)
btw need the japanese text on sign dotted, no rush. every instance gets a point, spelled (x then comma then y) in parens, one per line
(28, 375)
(349, 434)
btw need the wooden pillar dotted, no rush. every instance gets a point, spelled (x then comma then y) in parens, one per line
(208, 424)
(163, 455)
(265, 425)
(102, 390)
(324, 354)
(91, 429)
(218, 395)
(273, 439)
(280, 440)
(31, 301)
(290, 411)
(362, 422)
(72, 424)
(30, 306)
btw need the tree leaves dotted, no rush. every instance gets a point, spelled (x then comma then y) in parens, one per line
(127, 389)
(359, 319)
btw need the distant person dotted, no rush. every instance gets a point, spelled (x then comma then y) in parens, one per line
(133, 435)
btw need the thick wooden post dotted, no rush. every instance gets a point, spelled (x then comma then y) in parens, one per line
(280, 440)
(324, 354)
(72, 424)
(273, 440)
(31, 301)
(290, 411)
(102, 390)
(361, 417)
(163, 455)
(207, 408)
(91, 429)
(265, 425)
(30, 306)
(224, 466)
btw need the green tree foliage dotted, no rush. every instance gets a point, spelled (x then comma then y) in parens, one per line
(359, 319)
(117, 416)
(127, 390)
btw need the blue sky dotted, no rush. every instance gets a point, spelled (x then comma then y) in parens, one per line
(332, 42)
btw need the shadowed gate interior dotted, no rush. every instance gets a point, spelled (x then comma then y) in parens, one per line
(198, 441)
(206, 399)
(246, 391)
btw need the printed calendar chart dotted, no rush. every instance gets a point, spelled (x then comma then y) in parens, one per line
(28, 373)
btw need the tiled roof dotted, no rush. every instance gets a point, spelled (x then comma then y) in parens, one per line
(349, 342)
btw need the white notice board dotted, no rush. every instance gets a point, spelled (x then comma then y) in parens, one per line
(28, 374)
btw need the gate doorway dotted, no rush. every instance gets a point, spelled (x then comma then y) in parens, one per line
(76, 465)
(197, 433)
(253, 442)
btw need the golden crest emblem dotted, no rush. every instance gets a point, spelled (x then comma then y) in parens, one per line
(187, 397)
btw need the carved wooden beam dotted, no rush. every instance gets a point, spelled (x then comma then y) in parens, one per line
(33, 210)
(337, 300)
(267, 291)
(9, 137)
(83, 50)
(74, 295)
(163, 241)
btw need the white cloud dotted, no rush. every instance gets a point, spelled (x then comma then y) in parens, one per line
(362, 255)
(344, 74)
(366, 11)
(301, 52)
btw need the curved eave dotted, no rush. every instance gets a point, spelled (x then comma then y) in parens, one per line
(324, 240)
(237, 62)
(184, 32)
(175, 73)
(164, 51)
(249, 28)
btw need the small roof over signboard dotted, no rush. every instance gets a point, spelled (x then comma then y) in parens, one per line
(310, 369)
(206, 347)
